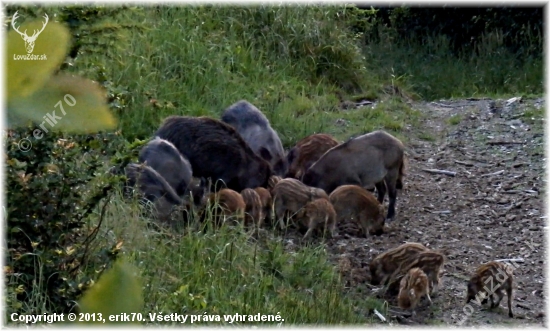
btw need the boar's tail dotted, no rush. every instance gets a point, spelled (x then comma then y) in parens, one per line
(399, 183)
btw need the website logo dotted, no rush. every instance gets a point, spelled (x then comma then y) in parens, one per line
(29, 40)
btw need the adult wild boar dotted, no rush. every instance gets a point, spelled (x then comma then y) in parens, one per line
(165, 158)
(215, 150)
(153, 187)
(374, 159)
(306, 152)
(255, 129)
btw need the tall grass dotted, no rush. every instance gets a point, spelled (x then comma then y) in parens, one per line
(227, 271)
(432, 71)
(197, 60)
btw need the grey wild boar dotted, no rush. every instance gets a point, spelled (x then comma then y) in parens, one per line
(352, 202)
(306, 152)
(492, 280)
(429, 261)
(216, 151)
(290, 195)
(316, 214)
(256, 130)
(226, 203)
(267, 203)
(412, 288)
(385, 264)
(253, 210)
(374, 159)
(165, 158)
(153, 187)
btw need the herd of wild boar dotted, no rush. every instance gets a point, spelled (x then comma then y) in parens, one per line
(237, 166)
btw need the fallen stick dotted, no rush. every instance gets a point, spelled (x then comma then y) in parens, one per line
(382, 318)
(505, 143)
(493, 173)
(464, 163)
(523, 306)
(510, 260)
(441, 212)
(440, 172)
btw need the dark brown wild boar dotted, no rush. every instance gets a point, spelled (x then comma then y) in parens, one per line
(215, 150)
(429, 261)
(412, 288)
(290, 195)
(374, 159)
(386, 263)
(226, 203)
(256, 130)
(352, 202)
(253, 210)
(492, 280)
(316, 214)
(306, 152)
(267, 203)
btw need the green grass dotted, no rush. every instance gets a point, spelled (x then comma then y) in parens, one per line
(227, 271)
(455, 119)
(433, 72)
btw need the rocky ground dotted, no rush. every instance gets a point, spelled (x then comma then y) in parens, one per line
(489, 207)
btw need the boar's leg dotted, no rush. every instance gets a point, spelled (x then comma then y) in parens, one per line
(381, 189)
(509, 293)
(391, 179)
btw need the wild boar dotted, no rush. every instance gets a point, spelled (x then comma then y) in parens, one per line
(429, 261)
(273, 180)
(306, 152)
(352, 202)
(374, 159)
(316, 214)
(253, 210)
(412, 288)
(256, 130)
(267, 203)
(153, 187)
(385, 264)
(165, 158)
(226, 203)
(290, 195)
(215, 150)
(491, 280)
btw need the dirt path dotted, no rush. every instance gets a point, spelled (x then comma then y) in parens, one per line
(492, 209)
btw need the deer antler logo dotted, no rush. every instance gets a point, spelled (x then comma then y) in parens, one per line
(29, 41)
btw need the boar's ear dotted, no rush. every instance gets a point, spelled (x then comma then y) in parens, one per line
(264, 153)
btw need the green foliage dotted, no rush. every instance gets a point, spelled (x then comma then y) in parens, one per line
(53, 190)
(197, 60)
(431, 70)
(455, 119)
(118, 291)
(31, 85)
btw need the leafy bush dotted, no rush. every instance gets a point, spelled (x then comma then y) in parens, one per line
(53, 190)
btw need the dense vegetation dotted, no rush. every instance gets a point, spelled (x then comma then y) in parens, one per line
(67, 221)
